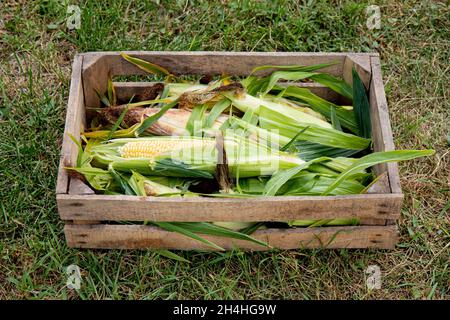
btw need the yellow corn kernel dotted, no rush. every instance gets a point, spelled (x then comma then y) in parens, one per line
(152, 148)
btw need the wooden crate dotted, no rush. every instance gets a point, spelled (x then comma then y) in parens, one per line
(91, 219)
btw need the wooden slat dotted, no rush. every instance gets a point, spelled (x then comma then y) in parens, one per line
(99, 64)
(125, 90)
(95, 77)
(362, 66)
(381, 125)
(75, 117)
(79, 187)
(139, 236)
(381, 185)
(215, 62)
(372, 222)
(133, 208)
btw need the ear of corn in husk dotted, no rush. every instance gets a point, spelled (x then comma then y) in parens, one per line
(191, 156)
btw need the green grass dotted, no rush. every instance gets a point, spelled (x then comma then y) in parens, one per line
(36, 51)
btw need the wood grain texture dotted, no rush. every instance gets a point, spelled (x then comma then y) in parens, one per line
(381, 124)
(99, 64)
(75, 118)
(372, 222)
(148, 237)
(77, 186)
(381, 185)
(134, 208)
(95, 78)
(215, 62)
(362, 65)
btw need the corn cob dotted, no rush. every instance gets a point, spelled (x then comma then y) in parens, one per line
(191, 156)
(152, 148)
(172, 123)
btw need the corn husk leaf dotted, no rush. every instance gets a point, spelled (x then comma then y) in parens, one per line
(195, 123)
(361, 106)
(252, 228)
(218, 108)
(121, 181)
(80, 149)
(308, 150)
(313, 184)
(289, 127)
(285, 75)
(184, 230)
(213, 230)
(377, 158)
(145, 65)
(335, 120)
(121, 133)
(148, 122)
(233, 225)
(117, 124)
(280, 178)
(324, 222)
(346, 117)
(331, 82)
(247, 102)
(335, 84)
(145, 186)
(103, 98)
(112, 96)
(98, 178)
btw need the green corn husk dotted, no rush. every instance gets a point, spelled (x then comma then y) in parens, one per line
(193, 157)
(247, 102)
(353, 171)
(323, 223)
(290, 127)
(374, 159)
(144, 186)
(306, 150)
(304, 184)
(233, 225)
(345, 116)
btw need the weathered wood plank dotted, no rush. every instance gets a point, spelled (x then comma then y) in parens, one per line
(133, 208)
(381, 125)
(95, 78)
(75, 117)
(79, 187)
(381, 185)
(99, 64)
(362, 66)
(140, 236)
(216, 62)
(372, 222)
